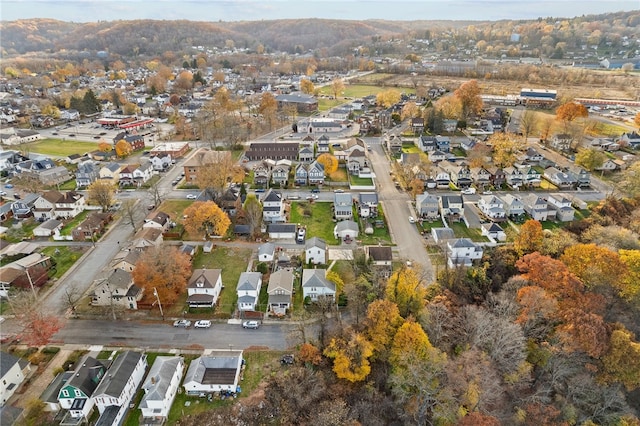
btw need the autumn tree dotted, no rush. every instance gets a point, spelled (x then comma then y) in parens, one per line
(350, 356)
(450, 107)
(590, 158)
(530, 238)
(329, 162)
(309, 354)
(387, 98)
(528, 123)
(382, 323)
(268, 108)
(636, 120)
(101, 192)
(596, 266)
(163, 269)
(205, 217)
(406, 289)
(409, 110)
(337, 86)
(505, 149)
(184, 81)
(306, 86)
(622, 360)
(630, 284)
(38, 324)
(545, 127)
(630, 181)
(569, 112)
(216, 170)
(104, 146)
(123, 148)
(469, 96)
(253, 213)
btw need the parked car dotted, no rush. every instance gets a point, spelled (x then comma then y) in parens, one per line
(469, 191)
(338, 191)
(202, 324)
(259, 190)
(151, 207)
(287, 359)
(182, 323)
(251, 324)
(8, 186)
(2, 193)
(301, 234)
(315, 190)
(191, 196)
(411, 219)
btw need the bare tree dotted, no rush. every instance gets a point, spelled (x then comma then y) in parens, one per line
(72, 296)
(128, 213)
(528, 123)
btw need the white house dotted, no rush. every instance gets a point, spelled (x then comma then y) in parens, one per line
(248, 288)
(315, 250)
(492, 207)
(266, 252)
(12, 374)
(315, 285)
(462, 252)
(562, 206)
(273, 207)
(218, 371)
(342, 206)
(204, 288)
(494, 231)
(119, 386)
(160, 387)
(56, 204)
(346, 228)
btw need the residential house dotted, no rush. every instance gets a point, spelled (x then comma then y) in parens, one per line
(273, 207)
(561, 179)
(315, 173)
(630, 139)
(76, 394)
(442, 178)
(218, 371)
(498, 177)
(50, 395)
(87, 173)
(118, 387)
(272, 151)
(493, 231)
(25, 272)
(45, 171)
(142, 173)
(315, 250)
(417, 125)
(48, 228)
(91, 227)
(280, 175)
(158, 220)
(342, 206)
(323, 145)
(513, 206)
(282, 231)
(261, 175)
(443, 143)
(437, 156)
(302, 102)
(357, 161)
(441, 235)
(562, 206)
(266, 252)
(492, 207)
(315, 285)
(110, 172)
(394, 144)
(201, 159)
(248, 289)
(381, 258)
(160, 162)
(536, 207)
(368, 204)
(561, 141)
(532, 156)
(531, 178)
(13, 371)
(513, 177)
(462, 252)
(160, 388)
(119, 290)
(481, 177)
(306, 154)
(126, 260)
(582, 176)
(126, 175)
(56, 204)
(301, 176)
(427, 143)
(280, 290)
(427, 206)
(147, 238)
(610, 165)
(346, 229)
(459, 174)
(451, 207)
(204, 287)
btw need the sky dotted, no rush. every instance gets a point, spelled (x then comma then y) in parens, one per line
(252, 10)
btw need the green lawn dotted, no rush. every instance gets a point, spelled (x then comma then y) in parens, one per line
(60, 148)
(232, 261)
(427, 226)
(380, 235)
(66, 229)
(358, 181)
(317, 217)
(65, 257)
(411, 149)
(325, 104)
(461, 231)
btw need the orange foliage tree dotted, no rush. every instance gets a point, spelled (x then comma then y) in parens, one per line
(594, 265)
(469, 96)
(205, 217)
(530, 238)
(310, 354)
(164, 269)
(39, 327)
(350, 357)
(329, 162)
(123, 148)
(570, 111)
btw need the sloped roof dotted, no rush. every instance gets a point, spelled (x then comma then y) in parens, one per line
(282, 278)
(249, 281)
(118, 374)
(159, 378)
(315, 242)
(316, 278)
(206, 277)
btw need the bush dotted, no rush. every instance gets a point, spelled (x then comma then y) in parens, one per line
(262, 267)
(51, 350)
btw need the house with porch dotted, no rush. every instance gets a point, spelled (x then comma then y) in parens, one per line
(273, 207)
(118, 387)
(492, 207)
(498, 177)
(481, 177)
(110, 172)
(204, 287)
(280, 290)
(315, 173)
(368, 204)
(513, 206)
(561, 179)
(451, 207)
(342, 206)
(56, 204)
(381, 258)
(315, 285)
(87, 173)
(301, 176)
(280, 175)
(119, 290)
(562, 206)
(513, 177)
(94, 225)
(306, 154)
(462, 252)
(536, 207)
(248, 290)
(427, 206)
(459, 174)
(76, 394)
(161, 387)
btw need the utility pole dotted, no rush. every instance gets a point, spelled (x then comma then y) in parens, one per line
(33, 289)
(155, 293)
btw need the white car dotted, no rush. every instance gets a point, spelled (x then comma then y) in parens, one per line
(202, 324)
(191, 196)
(469, 191)
(411, 219)
(251, 324)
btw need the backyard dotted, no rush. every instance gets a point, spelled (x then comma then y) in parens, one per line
(316, 217)
(461, 231)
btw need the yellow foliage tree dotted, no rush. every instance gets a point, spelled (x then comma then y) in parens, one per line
(410, 337)
(337, 86)
(505, 149)
(205, 217)
(530, 238)
(104, 146)
(350, 357)
(450, 106)
(101, 192)
(388, 97)
(329, 162)
(123, 148)
(594, 265)
(409, 110)
(622, 360)
(337, 280)
(382, 323)
(469, 96)
(306, 86)
(630, 285)
(406, 290)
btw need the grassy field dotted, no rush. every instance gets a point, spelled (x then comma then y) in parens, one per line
(380, 235)
(461, 231)
(65, 257)
(60, 148)
(317, 217)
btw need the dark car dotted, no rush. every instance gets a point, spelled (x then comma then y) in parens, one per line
(315, 190)
(287, 359)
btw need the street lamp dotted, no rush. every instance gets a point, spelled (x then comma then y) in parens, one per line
(155, 293)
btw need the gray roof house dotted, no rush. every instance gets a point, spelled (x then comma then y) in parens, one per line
(536, 207)
(368, 204)
(343, 206)
(266, 252)
(248, 289)
(513, 206)
(315, 250)
(315, 285)
(442, 234)
(346, 228)
(427, 206)
(160, 387)
(12, 374)
(280, 290)
(218, 371)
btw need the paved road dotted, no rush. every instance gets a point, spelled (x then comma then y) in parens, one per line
(397, 209)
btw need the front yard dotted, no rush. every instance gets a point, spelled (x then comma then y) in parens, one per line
(316, 217)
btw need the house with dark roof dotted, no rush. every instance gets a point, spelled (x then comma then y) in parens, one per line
(248, 289)
(441, 235)
(87, 173)
(452, 207)
(315, 285)
(217, 371)
(13, 371)
(561, 179)
(118, 387)
(342, 206)
(280, 290)
(302, 102)
(204, 287)
(157, 219)
(91, 227)
(160, 388)
(118, 289)
(537, 207)
(368, 204)
(493, 231)
(272, 151)
(273, 207)
(381, 258)
(282, 231)
(492, 207)
(76, 394)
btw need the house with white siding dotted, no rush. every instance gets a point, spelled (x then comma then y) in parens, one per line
(160, 388)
